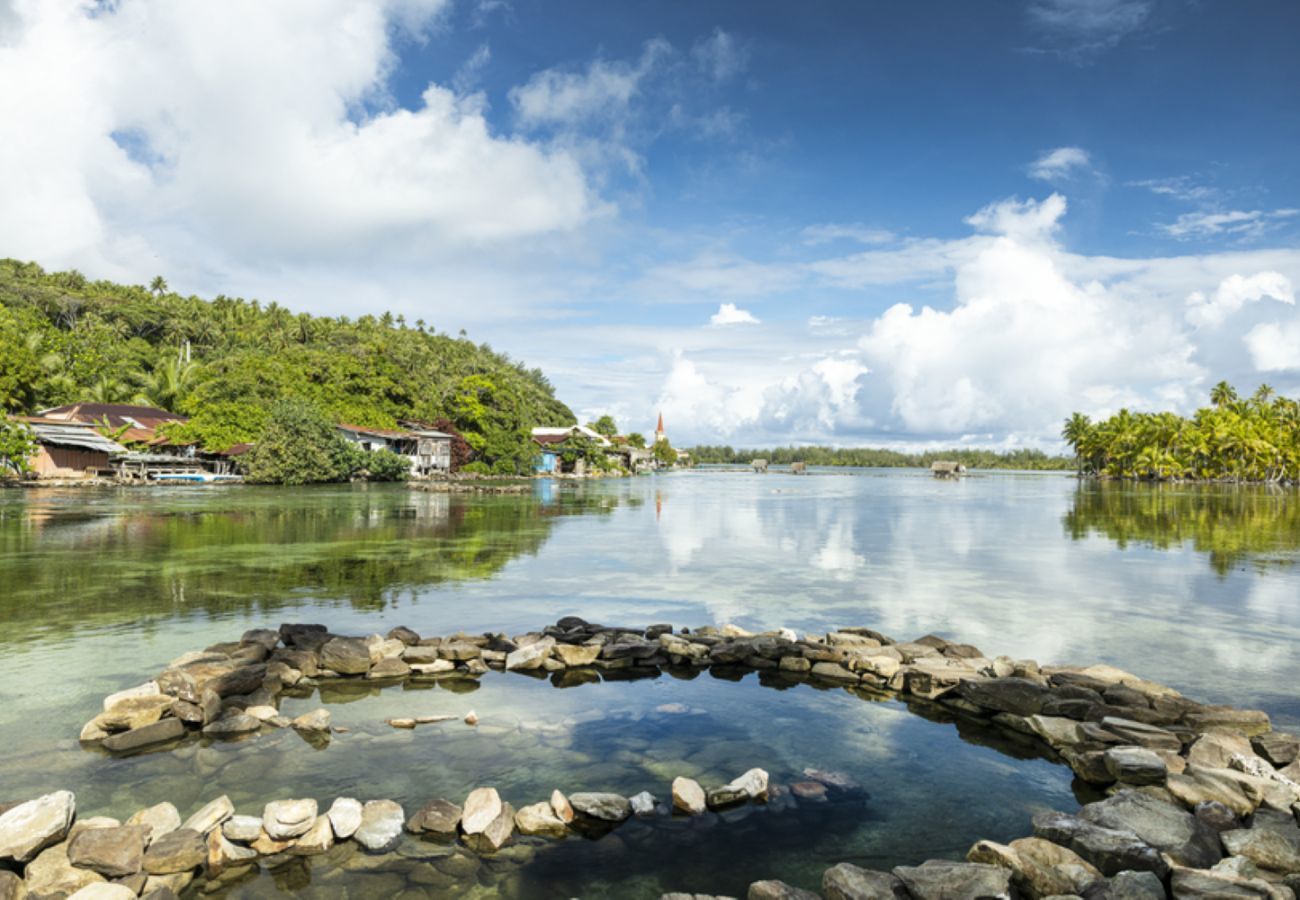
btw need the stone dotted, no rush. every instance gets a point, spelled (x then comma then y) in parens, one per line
(435, 668)
(402, 722)
(1250, 722)
(223, 853)
(345, 817)
(778, 890)
(262, 713)
(50, 874)
(1215, 749)
(381, 826)
(722, 797)
(266, 845)
(1018, 696)
(809, 791)
(1216, 815)
(540, 820)
(688, 796)
(104, 891)
(1279, 749)
(112, 852)
(1199, 785)
(210, 815)
(11, 886)
(441, 817)
(606, 807)
(530, 656)
(831, 671)
(165, 887)
(495, 834)
(1110, 850)
(316, 721)
(243, 680)
(794, 664)
(849, 882)
(459, 650)
(482, 807)
(1043, 868)
(177, 851)
(30, 827)
(575, 654)
(471, 718)
(1189, 884)
(938, 879)
(159, 732)
(753, 783)
(146, 690)
(232, 726)
(1135, 765)
(643, 804)
(1135, 886)
(1142, 735)
(1164, 826)
(401, 633)
(284, 819)
(1272, 842)
(242, 829)
(316, 840)
(389, 667)
(1056, 731)
(561, 807)
(346, 656)
(134, 712)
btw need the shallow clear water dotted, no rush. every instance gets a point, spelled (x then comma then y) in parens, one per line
(99, 589)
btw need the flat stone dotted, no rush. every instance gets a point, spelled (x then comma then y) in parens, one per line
(688, 796)
(223, 853)
(540, 820)
(831, 671)
(722, 797)
(318, 720)
(1044, 868)
(316, 840)
(440, 817)
(778, 890)
(753, 783)
(1142, 735)
(346, 656)
(50, 874)
(1272, 842)
(1164, 826)
(561, 807)
(1135, 765)
(104, 891)
(1056, 731)
(242, 829)
(809, 791)
(210, 815)
(381, 826)
(1249, 722)
(159, 732)
(1110, 850)
(606, 807)
(938, 879)
(388, 667)
(849, 882)
(148, 689)
(1135, 886)
(530, 656)
(459, 650)
(1189, 884)
(231, 726)
(345, 817)
(112, 852)
(1018, 696)
(284, 819)
(795, 664)
(177, 851)
(1279, 749)
(575, 654)
(11, 886)
(482, 807)
(1199, 785)
(495, 834)
(1215, 749)
(30, 827)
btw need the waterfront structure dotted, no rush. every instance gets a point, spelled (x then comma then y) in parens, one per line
(428, 450)
(67, 449)
(946, 469)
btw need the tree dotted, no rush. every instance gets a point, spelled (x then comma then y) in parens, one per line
(665, 454)
(605, 425)
(158, 285)
(300, 446)
(1223, 394)
(384, 465)
(636, 439)
(167, 383)
(17, 447)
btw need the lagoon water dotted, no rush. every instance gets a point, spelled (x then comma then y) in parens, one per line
(1195, 587)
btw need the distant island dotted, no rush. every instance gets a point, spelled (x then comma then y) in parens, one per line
(866, 457)
(1236, 439)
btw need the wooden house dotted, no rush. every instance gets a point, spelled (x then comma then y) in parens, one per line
(947, 469)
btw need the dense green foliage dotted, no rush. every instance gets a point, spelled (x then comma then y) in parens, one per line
(225, 361)
(16, 447)
(664, 453)
(300, 446)
(604, 425)
(1256, 439)
(882, 458)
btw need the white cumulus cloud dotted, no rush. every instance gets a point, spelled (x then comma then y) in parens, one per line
(1275, 346)
(1233, 293)
(1061, 163)
(730, 314)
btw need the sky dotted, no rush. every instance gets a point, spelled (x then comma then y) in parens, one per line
(889, 224)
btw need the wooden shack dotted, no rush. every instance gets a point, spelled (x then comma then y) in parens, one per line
(760, 465)
(947, 469)
(798, 468)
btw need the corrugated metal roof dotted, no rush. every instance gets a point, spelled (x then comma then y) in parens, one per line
(118, 414)
(70, 434)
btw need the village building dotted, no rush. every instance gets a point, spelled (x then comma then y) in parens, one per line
(67, 449)
(428, 450)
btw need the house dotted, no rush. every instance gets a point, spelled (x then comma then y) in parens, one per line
(70, 449)
(561, 434)
(428, 450)
(550, 441)
(760, 465)
(140, 423)
(946, 469)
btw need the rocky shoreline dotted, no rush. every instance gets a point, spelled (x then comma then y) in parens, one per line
(1202, 801)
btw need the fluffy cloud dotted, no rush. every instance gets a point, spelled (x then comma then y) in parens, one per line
(604, 89)
(730, 314)
(1060, 164)
(251, 131)
(1233, 293)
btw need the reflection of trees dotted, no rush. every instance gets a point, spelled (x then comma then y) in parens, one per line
(1230, 524)
(261, 548)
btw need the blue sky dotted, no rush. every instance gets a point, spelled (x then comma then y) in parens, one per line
(851, 223)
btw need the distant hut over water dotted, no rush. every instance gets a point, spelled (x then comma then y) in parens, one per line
(947, 469)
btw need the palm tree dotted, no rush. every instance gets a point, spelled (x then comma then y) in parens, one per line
(166, 385)
(1076, 432)
(1223, 394)
(158, 285)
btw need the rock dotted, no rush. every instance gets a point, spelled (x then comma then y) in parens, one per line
(778, 890)
(1056, 731)
(603, 806)
(146, 690)
(50, 874)
(1216, 749)
(223, 853)
(11, 886)
(1279, 749)
(30, 827)
(1249, 722)
(938, 879)
(406, 723)
(388, 667)
(230, 726)
(753, 783)
(795, 664)
(840, 781)
(441, 817)
(177, 851)
(1272, 842)
(1216, 815)
(242, 829)
(263, 713)
(1141, 734)
(459, 650)
(848, 882)
(561, 807)
(530, 656)
(1189, 884)
(1135, 765)
(1135, 886)
(688, 796)
(243, 680)
(435, 668)
(1043, 868)
(401, 633)
(423, 656)
(266, 845)
(471, 718)
(1219, 786)
(830, 671)
(381, 826)
(574, 654)
(1110, 850)
(159, 732)
(211, 815)
(346, 656)
(1018, 696)
(345, 817)
(316, 840)
(104, 891)
(482, 807)
(540, 820)
(643, 804)
(284, 819)
(495, 834)
(112, 852)
(1164, 826)
(318, 720)
(809, 791)
(722, 797)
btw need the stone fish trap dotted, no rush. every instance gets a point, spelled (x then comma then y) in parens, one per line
(1202, 802)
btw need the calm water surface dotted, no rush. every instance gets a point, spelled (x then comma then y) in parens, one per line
(1197, 588)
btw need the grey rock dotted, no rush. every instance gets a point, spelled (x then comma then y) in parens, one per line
(482, 807)
(381, 826)
(1272, 842)
(1018, 696)
(112, 852)
(1142, 735)
(242, 829)
(177, 851)
(530, 656)
(1216, 815)
(604, 806)
(346, 656)
(1110, 850)
(938, 879)
(1189, 884)
(778, 890)
(285, 819)
(495, 834)
(157, 820)
(643, 804)
(440, 817)
(389, 667)
(540, 820)
(1164, 826)
(30, 827)
(232, 725)
(159, 732)
(345, 817)
(1279, 749)
(1135, 886)
(1135, 765)
(318, 720)
(210, 815)
(849, 882)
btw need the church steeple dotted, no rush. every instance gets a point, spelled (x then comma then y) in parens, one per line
(659, 429)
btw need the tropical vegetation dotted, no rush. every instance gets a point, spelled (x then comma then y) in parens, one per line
(16, 448)
(225, 361)
(882, 458)
(1236, 439)
(299, 445)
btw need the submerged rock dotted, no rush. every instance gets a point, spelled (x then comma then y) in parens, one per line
(160, 732)
(603, 806)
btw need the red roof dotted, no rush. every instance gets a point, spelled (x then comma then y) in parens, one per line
(551, 438)
(118, 414)
(660, 429)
